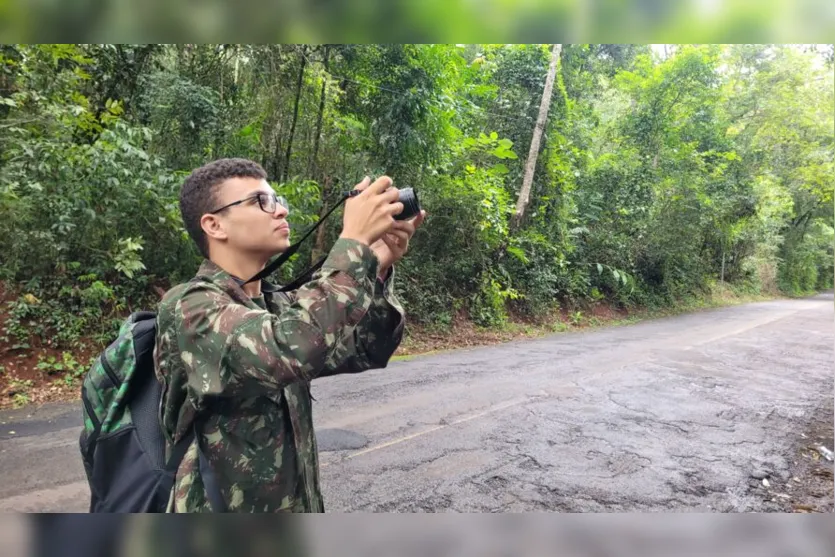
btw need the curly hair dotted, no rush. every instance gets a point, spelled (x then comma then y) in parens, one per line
(198, 195)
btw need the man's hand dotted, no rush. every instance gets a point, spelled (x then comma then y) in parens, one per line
(370, 215)
(394, 244)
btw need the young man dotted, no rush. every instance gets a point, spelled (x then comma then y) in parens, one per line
(237, 361)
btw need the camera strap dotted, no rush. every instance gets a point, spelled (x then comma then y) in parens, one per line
(291, 251)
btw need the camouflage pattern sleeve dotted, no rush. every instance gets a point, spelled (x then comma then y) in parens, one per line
(376, 337)
(232, 349)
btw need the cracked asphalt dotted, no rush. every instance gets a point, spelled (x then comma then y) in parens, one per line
(670, 414)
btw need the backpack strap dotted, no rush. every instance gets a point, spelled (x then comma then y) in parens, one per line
(209, 478)
(206, 473)
(178, 453)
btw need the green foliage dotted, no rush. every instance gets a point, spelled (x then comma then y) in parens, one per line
(658, 177)
(808, 266)
(21, 391)
(126, 259)
(468, 228)
(64, 315)
(66, 364)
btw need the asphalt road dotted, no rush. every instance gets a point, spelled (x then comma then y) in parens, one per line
(671, 414)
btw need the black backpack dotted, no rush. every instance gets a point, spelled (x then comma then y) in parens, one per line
(122, 442)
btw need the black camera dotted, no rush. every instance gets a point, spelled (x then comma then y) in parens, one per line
(411, 205)
(407, 196)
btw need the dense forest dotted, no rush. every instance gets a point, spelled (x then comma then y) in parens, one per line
(660, 172)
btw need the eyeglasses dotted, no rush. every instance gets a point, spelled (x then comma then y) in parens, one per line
(266, 201)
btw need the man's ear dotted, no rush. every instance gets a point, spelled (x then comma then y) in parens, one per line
(213, 227)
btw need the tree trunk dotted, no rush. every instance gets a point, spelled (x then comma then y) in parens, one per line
(314, 167)
(530, 165)
(285, 173)
(313, 172)
(321, 234)
(277, 167)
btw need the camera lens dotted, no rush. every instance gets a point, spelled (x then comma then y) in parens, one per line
(411, 206)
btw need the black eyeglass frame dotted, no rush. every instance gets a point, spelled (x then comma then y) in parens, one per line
(261, 197)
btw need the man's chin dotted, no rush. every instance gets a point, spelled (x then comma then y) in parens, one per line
(281, 248)
(272, 251)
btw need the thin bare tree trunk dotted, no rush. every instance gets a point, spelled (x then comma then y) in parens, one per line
(530, 165)
(313, 171)
(285, 173)
(321, 234)
(314, 167)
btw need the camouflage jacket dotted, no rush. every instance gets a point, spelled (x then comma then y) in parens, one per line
(247, 363)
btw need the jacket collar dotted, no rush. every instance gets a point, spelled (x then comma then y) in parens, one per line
(231, 284)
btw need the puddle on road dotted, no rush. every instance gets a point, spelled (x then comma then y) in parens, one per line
(330, 440)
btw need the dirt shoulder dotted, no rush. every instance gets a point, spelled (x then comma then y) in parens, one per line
(808, 486)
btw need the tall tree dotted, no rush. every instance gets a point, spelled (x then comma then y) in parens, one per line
(285, 172)
(317, 135)
(530, 165)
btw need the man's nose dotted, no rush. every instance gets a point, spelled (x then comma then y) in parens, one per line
(280, 211)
